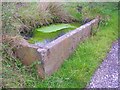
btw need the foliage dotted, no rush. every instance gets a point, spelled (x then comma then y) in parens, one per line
(91, 10)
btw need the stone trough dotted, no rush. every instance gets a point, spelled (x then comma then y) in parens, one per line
(53, 54)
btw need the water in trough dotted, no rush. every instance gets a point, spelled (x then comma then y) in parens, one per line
(40, 37)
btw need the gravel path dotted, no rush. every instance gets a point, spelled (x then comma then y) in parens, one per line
(107, 74)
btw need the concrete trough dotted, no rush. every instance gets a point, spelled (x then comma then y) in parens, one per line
(53, 54)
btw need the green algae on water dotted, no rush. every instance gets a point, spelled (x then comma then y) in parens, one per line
(54, 28)
(51, 32)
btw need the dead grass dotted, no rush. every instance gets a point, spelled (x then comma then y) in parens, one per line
(22, 18)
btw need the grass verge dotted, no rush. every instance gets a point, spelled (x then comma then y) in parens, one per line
(75, 72)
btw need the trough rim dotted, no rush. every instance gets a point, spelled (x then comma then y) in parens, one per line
(65, 35)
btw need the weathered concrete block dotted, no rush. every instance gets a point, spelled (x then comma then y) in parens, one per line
(61, 48)
(54, 53)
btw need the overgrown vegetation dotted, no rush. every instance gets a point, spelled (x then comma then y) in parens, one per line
(25, 17)
(78, 69)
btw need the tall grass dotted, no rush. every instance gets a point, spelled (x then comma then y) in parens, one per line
(22, 18)
(8, 10)
(25, 17)
(84, 10)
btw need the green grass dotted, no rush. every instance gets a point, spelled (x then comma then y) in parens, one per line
(75, 72)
